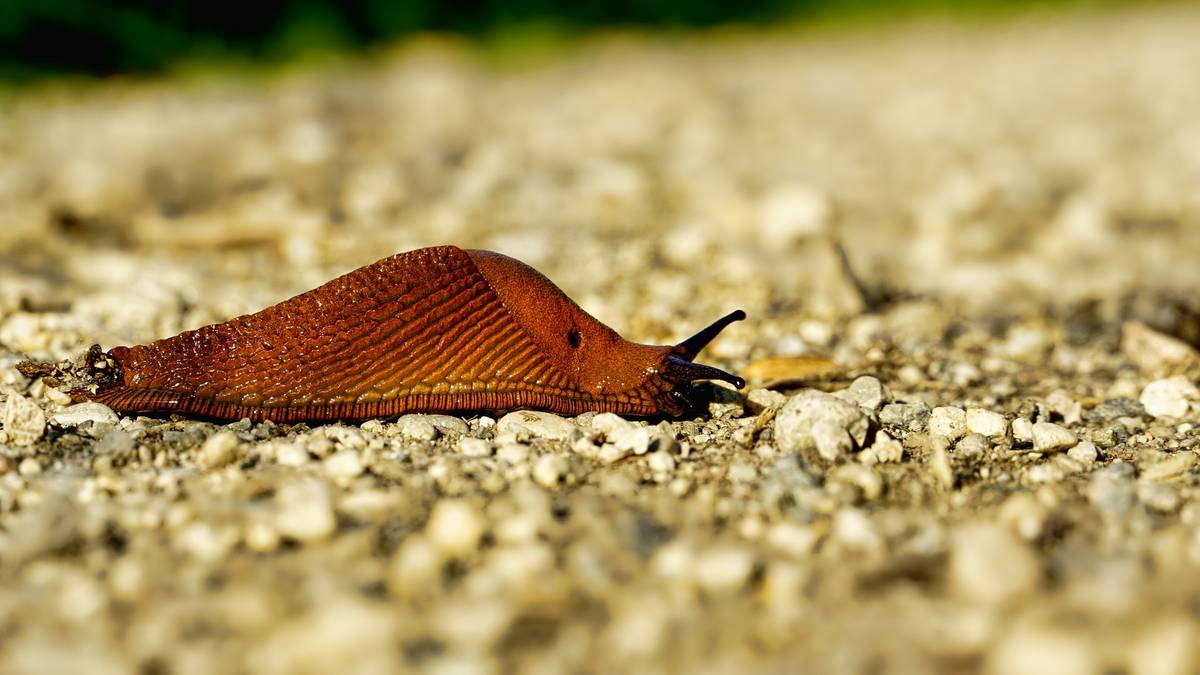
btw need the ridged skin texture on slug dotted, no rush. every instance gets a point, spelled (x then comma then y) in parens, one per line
(438, 329)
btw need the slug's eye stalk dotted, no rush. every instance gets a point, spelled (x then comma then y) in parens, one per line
(679, 367)
(690, 348)
(680, 371)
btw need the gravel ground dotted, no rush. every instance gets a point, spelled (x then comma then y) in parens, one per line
(969, 444)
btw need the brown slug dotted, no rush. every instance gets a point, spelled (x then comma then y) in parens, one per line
(433, 330)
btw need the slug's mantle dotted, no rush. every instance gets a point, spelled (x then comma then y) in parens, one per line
(432, 330)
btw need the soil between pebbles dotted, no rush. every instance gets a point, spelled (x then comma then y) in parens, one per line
(969, 259)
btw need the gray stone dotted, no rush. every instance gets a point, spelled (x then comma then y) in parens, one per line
(115, 442)
(907, 416)
(972, 445)
(1115, 408)
(1111, 490)
(795, 425)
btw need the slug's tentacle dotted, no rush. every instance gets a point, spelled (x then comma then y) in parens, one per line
(690, 348)
(434, 330)
(681, 371)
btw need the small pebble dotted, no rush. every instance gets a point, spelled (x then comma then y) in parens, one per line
(536, 424)
(760, 400)
(884, 450)
(949, 422)
(723, 569)
(343, 464)
(629, 438)
(474, 447)
(661, 462)
(866, 392)
(23, 419)
(304, 510)
(908, 416)
(986, 423)
(812, 415)
(455, 527)
(1084, 452)
(417, 427)
(550, 469)
(1171, 397)
(1173, 466)
(989, 565)
(88, 411)
(29, 467)
(513, 453)
(1022, 430)
(1050, 437)
(114, 442)
(219, 449)
(972, 445)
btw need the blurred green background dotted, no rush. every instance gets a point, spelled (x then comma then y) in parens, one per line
(97, 37)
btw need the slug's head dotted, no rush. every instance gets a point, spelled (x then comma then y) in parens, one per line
(644, 379)
(678, 369)
(621, 376)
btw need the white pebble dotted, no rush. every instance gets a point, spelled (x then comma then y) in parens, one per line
(884, 450)
(513, 453)
(548, 470)
(455, 527)
(88, 411)
(1084, 452)
(1022, 430)
(759, 400)
(1170, 397)
(474, 447)
(29, 467)
(724, 568)
(866, 392)
(989, 564)
(417, 427)
(304, 510)
(629, 438)
(414, 567)
(949, 422)
(1050, 437)
(219, 449)
(986, 423)
(537, 424)
(661, 462)
(343, 464)
(291, 454)
(796, 426)
(24, 420)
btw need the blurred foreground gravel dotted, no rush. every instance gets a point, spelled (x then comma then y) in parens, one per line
(968, 446)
